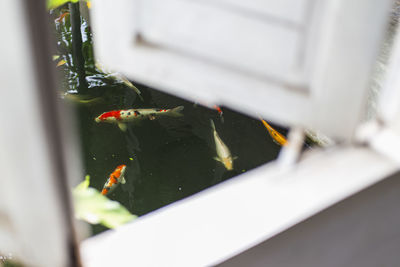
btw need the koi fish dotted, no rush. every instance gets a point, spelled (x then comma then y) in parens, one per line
(116, 177)
(220, 113)
(62, 16)
(223, 154)
(217, 108)
(120, 117)
(61, 62)
(120, 78)
(276, 136)
(80, 99)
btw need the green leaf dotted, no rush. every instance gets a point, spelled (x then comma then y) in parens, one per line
(92, 207)
(51, 4)
(84, 185)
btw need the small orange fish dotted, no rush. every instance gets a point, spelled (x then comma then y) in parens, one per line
(61, 62)
(62, 16)
(220, 113)
(276, 136)
(116, 177)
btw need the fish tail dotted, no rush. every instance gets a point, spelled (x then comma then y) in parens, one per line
(212, 124)
(104, 191)
(266, 125)
(140, 97)
(176, 112)
(137, 91)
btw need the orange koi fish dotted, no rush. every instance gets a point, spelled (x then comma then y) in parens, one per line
(276, 136)
(61, 62)
(116, 177)
(62, 16)
(121, 117)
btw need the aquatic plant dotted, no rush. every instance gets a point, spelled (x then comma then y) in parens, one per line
(51, 4)
(94, 208)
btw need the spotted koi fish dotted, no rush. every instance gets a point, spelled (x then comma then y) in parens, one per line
(223, 153)
(276, 136)
(116, 177)
(121, 117)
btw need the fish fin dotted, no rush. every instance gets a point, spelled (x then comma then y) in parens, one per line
(123, 181)
(217, 159)
(212, 124)
(176, 112)
(130, 85)
(276, 142)
(122, 126)
(140, 96)
(112, 189)
(125, 81)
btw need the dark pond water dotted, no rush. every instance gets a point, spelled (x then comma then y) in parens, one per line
(167, 158)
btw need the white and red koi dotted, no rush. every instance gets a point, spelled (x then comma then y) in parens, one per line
(121, 117)
(116, 177)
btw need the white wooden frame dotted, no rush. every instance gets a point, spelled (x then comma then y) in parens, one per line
(35, 215)
(341, 43)
(326, 93)
(217, 223)
(222, 221)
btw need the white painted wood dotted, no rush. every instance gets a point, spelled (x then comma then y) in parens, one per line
(32, 222)
(362, 231)
(345, 57)
(319, 83)
(290, 153)
(220, 222)
(291, 12)
(314, 75)
(381, 138)
(230, 39)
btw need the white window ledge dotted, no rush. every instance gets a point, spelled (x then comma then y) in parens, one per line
(220, 222)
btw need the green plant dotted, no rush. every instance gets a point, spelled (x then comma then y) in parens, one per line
(94, 208)
(51, 4)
